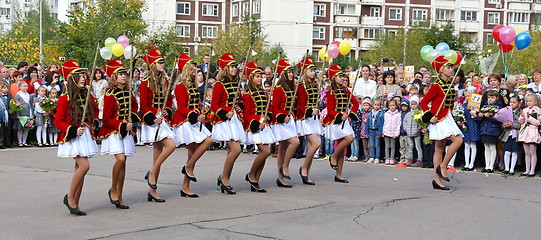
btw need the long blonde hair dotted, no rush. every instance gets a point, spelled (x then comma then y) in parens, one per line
(187, 77)
(156, 78)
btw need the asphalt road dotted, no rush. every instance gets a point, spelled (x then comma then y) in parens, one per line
(380, 202)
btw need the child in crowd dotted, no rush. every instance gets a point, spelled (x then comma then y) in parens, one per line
(529, 132)
(404, 109)
(412, 91)
(391, 130)
(24, 115)
(52, 130)
(365, 112)
(490, 129)
(413, 134)
(471, 135)
(4, 115)
(40, 115)
(374, 127)
(509, 137)
(427, 79)
(355, 145)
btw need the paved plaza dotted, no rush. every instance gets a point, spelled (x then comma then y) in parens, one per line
(380, 202)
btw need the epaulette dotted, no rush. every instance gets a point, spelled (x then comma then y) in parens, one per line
(110, 92)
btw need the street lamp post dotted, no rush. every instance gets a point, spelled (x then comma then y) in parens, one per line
(40, 31)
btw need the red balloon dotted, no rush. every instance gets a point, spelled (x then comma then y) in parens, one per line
(337, 43)
(458, 58)
(496, 33)
(505, 47)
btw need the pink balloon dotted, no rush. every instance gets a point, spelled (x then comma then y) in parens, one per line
(123, 40)
(337, 43)
(333, 51)
(507, 35)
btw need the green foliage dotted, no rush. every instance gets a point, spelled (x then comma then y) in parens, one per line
(169, 43)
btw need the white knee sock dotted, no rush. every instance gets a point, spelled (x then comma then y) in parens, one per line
(507, 159)
(473, 146)
(487, 156)
(38, 134)
(514, 157)
(467, 154)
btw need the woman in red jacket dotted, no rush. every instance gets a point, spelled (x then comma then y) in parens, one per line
(116, 131)
(256, 123)
(337, 120)
(437, 105)
(75, 139)
(227, 126)
(307, 118)
(187, 121)
(284, 129)
(156, 130)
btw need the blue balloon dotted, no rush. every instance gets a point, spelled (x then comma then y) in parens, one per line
(523, 40)
(443, 47)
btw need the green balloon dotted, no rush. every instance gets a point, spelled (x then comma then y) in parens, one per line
(109, 42)
(424, 52)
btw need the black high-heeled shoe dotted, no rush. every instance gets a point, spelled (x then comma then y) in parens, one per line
(305, 178)
(280, 184)
(185, 194)
(74, 211)
(110, 199)
(254, 186)
(150, 198)
(153, 186)
(438, 171)
(281, 169)
(192, 178)
(146, 175)
(122, 206)
(435, 185)
(224, 188)
(334, 167)
(336, 179)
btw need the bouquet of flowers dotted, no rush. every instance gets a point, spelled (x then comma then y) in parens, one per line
(458, 116)
(490, 109)
(15, 105)
(532, 114)
(418, 118)
(48, 104)
(504, 115)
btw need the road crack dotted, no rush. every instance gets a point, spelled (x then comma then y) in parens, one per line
(382, 205)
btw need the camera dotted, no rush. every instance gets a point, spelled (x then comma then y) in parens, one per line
(387, 59)
(62, 59)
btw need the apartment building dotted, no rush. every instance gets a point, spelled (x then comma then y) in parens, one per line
(11, 9)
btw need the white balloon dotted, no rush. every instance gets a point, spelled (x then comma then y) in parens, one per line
(129, 51)
(106, 53)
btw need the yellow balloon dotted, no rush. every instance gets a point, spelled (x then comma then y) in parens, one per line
(517, 31)
(322, 54)
(344, 47)
(117, 49)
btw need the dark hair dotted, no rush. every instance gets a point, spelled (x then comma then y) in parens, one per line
(74, 92)
(392, 101)
(460, 74)
(418, 73)
(365, 66)
(496, 76)
(30, 70)
(49, 77)
(423, 67)
(21, 65)
(492, 93)
(537, 70)
(95, 72)
(388, 73)
(286, 84)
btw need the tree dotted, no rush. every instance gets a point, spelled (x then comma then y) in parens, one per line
(167, 40)
(100, 20)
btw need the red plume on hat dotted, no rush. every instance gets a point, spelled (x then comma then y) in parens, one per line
(334, 70)
(184, 60)
(69, 67)
(152, 56)
(307, 63)
(439, 63)
(251, 68)
(115, 65)
(226, 60)
(282, 66)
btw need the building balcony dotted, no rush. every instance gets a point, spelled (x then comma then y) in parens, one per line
(352, 41)
(373, 2)
(469, 26)
(367, 44)
(367, 21)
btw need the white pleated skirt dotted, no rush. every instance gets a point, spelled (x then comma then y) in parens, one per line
(114, 145)
(285, 131)
(148, 133)
(444, 129)
(309, 126)
(189, 133)
(230, 130)
(264, 136)
(335, 131)
(80, 146)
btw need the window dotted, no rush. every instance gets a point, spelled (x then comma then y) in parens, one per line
(318, 33)
(209, 32)
(395, 14)
(536, 18)
(420, 15)
(494, 18)
(183, 30)
(344, 32)
(372, 33)
(468, 16)
(392, 32)
(375, 12)
(444, 14)
(183, 8)
(235, 10)
(519, 17)
(256, 7)
(246, 8)
(345, 9)
(210, 10)
(319, 10)
(490, 39)
(493, 1)
(4, 11)
(467, 36)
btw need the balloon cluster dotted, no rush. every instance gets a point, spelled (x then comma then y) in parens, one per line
(509, 38)
(334, 49)
(117, 48)
(428, 53)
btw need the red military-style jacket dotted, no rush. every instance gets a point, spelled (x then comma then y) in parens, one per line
(435, 97)
(281, 105)
(307, 99)
(117, 111)
(223, 95)
(63, 119)
(337, 102)
(188, 108)
(255, 103)
(152, 102)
